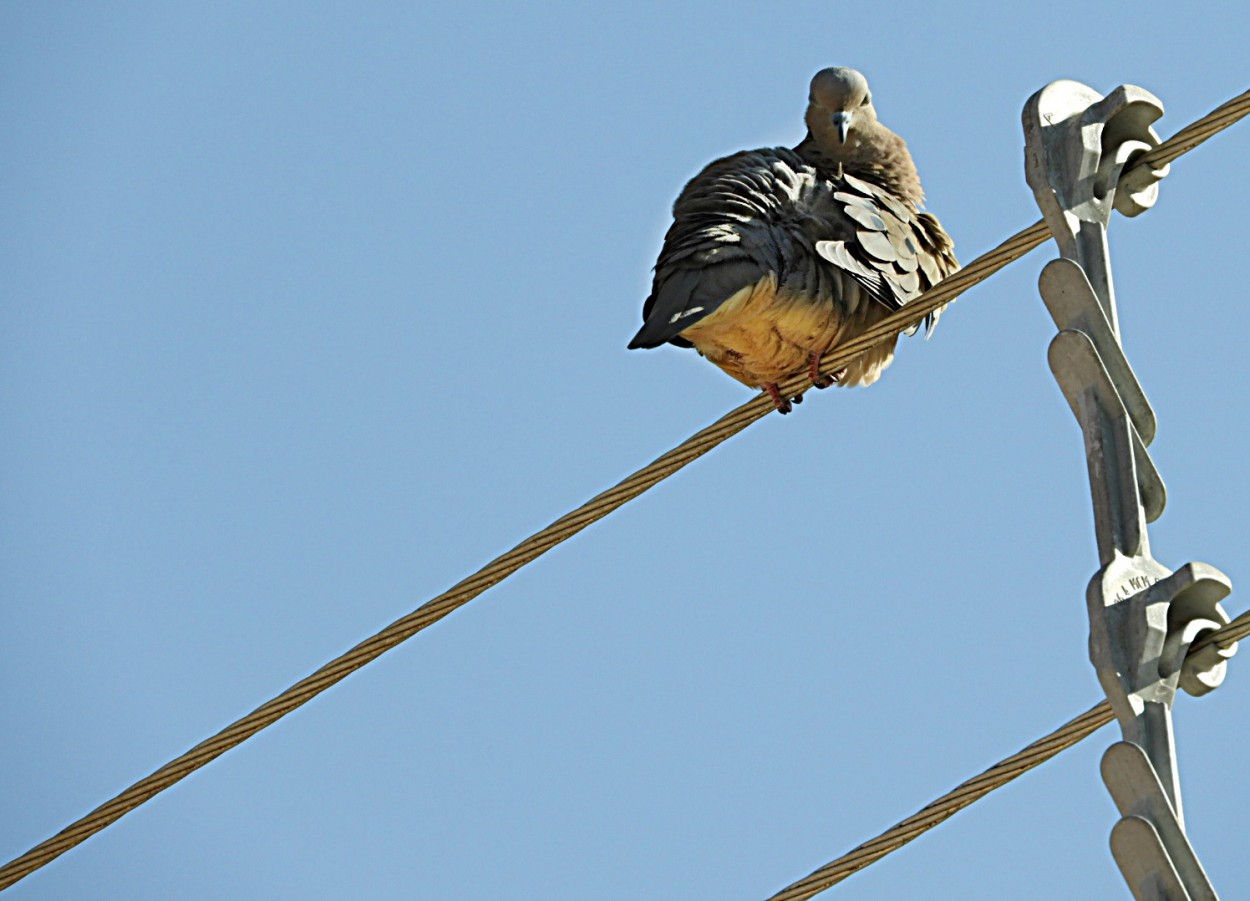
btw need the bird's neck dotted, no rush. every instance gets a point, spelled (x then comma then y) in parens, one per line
(874, 154)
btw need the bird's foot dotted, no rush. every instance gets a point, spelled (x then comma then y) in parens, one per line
(822, 381)
(782, 404)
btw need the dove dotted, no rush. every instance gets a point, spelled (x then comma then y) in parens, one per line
(777, 256)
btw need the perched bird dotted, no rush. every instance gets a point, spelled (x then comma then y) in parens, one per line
(775, 257)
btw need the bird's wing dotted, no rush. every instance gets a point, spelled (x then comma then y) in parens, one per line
(720, 241)
(897, 252)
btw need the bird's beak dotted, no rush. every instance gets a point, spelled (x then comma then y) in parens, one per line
(842, 122)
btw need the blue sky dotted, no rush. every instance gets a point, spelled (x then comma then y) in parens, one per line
(309, 310)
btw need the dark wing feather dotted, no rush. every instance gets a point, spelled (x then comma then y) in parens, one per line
(720, 242)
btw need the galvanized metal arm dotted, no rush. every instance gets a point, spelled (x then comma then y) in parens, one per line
(1080, 149)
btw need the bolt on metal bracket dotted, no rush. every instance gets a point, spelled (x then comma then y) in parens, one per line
(1143, 616)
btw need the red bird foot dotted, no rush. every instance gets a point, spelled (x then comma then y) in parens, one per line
(822, 381)
(782, 404)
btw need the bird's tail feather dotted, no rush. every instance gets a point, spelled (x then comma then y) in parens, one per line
(684, 296)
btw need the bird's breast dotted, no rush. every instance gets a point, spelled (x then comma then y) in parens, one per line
(764, 333)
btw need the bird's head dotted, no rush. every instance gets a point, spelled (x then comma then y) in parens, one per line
(839, 106)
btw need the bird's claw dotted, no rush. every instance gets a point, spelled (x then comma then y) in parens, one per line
(782, 404)
(818, 380)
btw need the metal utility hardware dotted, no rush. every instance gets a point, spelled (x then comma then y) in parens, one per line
(1080, 149)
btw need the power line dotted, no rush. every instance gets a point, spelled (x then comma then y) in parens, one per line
(978, 787)
(567, 526)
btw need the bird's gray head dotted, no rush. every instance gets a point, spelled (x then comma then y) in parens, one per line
(839, 103)
(844, 135)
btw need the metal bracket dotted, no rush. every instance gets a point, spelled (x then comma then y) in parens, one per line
(1077, 145)
(1143, 616)
(1148, 844)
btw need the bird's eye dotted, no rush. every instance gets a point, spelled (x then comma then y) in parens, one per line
(867, 100)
